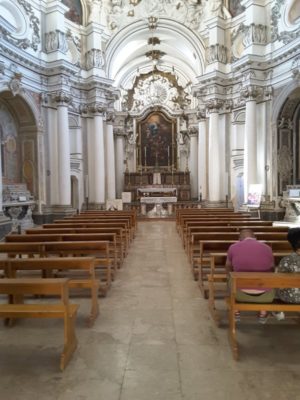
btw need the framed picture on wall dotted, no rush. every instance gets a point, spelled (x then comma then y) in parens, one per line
(157, 142)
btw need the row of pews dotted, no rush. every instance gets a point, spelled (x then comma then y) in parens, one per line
(206, 235)
(84, 251)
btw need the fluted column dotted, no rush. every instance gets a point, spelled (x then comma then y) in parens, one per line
(250, 152)
(214, 173)
(98, 153)
(194, 162)
(120, 137)
(110, 160)
(63, 149)
(202, 157)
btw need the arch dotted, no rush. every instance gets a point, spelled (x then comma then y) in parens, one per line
(281, 99)
(125, 52)
(23, 146)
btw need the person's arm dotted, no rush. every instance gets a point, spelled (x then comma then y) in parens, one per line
(228, 267)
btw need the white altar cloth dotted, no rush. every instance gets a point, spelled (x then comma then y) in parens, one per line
(158, 200)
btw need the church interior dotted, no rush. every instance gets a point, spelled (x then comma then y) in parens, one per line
(137, 138)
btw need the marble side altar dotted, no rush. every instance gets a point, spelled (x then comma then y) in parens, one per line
(18, 205)
(291, 202)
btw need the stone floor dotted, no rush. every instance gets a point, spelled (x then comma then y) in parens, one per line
(154, 340)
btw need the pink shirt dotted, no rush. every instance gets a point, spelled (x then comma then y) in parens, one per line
(249, 255)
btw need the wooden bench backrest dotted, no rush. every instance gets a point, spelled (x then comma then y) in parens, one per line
(195, 229)
(263, 280)
(86, 225)
(67, 263)
(210, 246)
(111, 237)
(235, 236)
(45, 231)
(228, 223)
(219, 259)
(49, 286)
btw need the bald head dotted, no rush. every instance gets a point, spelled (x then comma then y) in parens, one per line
(246, 233)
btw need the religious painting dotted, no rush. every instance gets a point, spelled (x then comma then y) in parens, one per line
(157, 144)
(75, 11)
(235, 7)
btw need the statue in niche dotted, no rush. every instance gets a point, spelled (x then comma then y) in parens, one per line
(95, 10)
(216, 8)
(194, 14)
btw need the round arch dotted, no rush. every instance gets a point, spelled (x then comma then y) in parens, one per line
(126, 51)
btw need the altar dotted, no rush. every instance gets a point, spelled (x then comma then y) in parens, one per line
(158, 210)
(157, 191)
(176, 183)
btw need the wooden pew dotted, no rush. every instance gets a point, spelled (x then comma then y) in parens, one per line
(119, 232)
(85, 266)
(217, 279)
(216, 219)
(100, 250)
(216, 246)
(61, 237)
(62, 309)
(85, 225)
(132, 215)
(194, 247)
(239, 280)
(210, 229)
(113, 222)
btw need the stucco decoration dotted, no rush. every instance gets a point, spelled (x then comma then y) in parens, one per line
(155, 88)
(74, 47)
(217, 52)
(285, 20)
(192, 13)
(22, 27)
(246, 35)
(94, 58)
(56, 40)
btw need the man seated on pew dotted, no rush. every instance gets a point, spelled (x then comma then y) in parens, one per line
(291, 263)
(250, 255)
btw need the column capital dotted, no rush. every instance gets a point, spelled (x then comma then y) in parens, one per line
(120, 133)
(201, 114)
(62, 98)
(110, 118)
(251, 92)
(214, 105)
(193, 131)
(97, 109)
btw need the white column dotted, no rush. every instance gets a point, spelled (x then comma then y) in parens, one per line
(214, 154)
(202, 166)
(53, 156)
(90, 179)
(250, 154)
(194, 164)
(99, 160)
(119, 164)
(63, 150)
(110, 162)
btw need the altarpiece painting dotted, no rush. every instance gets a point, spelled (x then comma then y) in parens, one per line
(157, 142)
